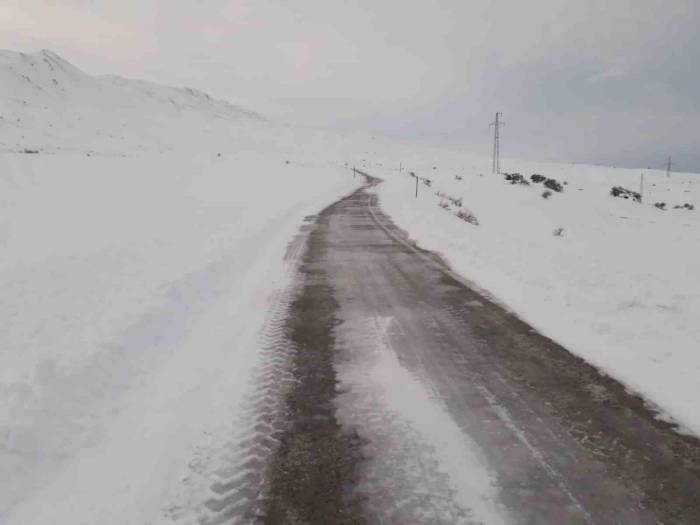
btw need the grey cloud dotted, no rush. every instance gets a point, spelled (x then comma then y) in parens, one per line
(581, 80)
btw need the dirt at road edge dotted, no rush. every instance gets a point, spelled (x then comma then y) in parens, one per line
(316, 459)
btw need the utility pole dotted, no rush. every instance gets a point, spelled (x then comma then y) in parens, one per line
(641, 188)
(496, 168)
(668, 168)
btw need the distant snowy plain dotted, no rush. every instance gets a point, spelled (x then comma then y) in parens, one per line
(141, 244)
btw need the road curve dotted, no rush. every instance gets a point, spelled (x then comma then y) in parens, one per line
(565, 443)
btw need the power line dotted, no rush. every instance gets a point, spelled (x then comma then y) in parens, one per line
(496, 168)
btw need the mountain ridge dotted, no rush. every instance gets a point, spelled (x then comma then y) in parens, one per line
(48, 103)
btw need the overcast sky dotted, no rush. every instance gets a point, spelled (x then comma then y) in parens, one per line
(603, 81)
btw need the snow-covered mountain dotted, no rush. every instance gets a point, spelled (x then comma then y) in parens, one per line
(49, 104)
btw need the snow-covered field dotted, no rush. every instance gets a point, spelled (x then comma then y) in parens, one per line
(141, 243)
(135, 275)
(620, 286)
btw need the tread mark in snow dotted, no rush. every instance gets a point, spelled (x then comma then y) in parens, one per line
(239, 494)
(237, 481)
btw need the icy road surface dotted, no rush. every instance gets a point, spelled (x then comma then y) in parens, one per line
(417, 400)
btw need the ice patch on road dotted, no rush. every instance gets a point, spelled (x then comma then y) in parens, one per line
(421, 467)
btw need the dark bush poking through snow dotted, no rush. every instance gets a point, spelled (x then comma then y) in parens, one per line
(558, 232)
(467, 216)
(444, 197)
(554, 185)
(660, 205)
(516, 178)
(685, 206)
(546, 194)
(624, 193)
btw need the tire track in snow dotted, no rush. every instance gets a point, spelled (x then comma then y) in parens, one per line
(316, 462)
(239, 491)
(239, 495)
(236, 475)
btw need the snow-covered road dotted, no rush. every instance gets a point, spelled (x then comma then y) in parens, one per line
(447, 408)
(380, 389)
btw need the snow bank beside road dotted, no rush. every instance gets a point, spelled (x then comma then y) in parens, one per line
(140, 243)
(620, 287)
(132, 291)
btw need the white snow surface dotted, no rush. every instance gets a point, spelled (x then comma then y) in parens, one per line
(140, 247)
(132, 291)
(619, 287)
(419, 467)
(136, 270)
(48, 104)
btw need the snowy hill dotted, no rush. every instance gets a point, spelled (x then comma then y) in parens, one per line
(47, 103)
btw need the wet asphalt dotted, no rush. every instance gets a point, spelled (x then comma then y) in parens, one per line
(566, 444)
